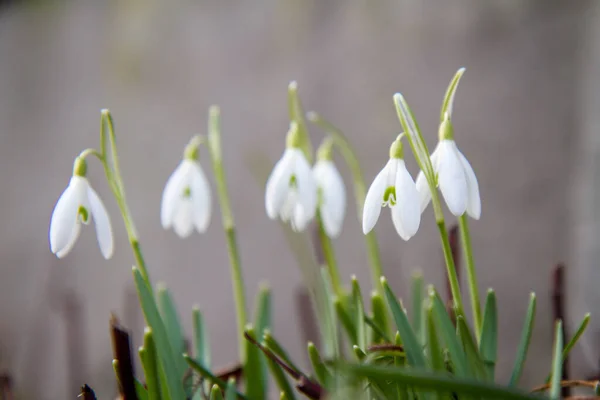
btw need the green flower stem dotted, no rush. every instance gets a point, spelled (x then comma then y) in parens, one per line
(451, 268)
(360, 191)
(330, 261)
(214, 142)
(471, 274)
(115, 181)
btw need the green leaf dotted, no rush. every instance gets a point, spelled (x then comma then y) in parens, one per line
(584, 323)
(201, 341)
(450, 93)
(433, 345)
(150, 365)
(161, 339)
(168, 312)
(321, 372)
(417, 304)
(488, 346)
(434, 381)
(380, 318)
(557, 362)
(524, 344)
(448, 334)
(359, 318)
(255, 383)
(346, 320)
(414, 352)
(230, 391)
(359, 353)
(201, 348)
(262, 317)
(475, 363)
(215, 393)
(376, 330)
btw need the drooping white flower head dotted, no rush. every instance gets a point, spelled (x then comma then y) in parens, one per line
(455, 177)
(78, 204)
(291, 191)
(394, 187)
(186, 199)
(332, 192)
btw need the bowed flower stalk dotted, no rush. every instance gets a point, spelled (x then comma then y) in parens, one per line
(394, 187)
(291, 191)
(77, 205)
(186, 200)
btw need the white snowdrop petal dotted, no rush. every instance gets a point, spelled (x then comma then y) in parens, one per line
(397, 220)
(451, 178)
(407, 212)
(424, 191)
(474, 200)
(65, 214)
(333, 197)
(73, 236)
(306, 205)
(278, 183)
(102, 222)
(374, 201)
(201, 198)
(173, 191)
(183, 224)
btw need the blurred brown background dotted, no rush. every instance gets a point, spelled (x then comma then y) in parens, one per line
(526, 115)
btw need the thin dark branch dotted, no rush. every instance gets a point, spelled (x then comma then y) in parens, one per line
(558, 310)
(234, 372)
(122, 353)
(384, 347)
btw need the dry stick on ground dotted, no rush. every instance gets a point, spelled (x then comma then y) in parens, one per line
(122, 353)
(455, 249)
(558, 311)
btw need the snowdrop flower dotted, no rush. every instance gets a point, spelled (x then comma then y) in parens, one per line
(186, 199)
(455, 177)
(331, 190)
(395, 188)
(291, 192)
(78, 204)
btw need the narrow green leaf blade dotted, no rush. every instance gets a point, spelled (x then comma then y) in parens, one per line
(150, 365)
(557, 362)
(488, 346)
(273, 345)
(524, 343)
(413, 350)
(280, 378)
(255, 383)
(433, 345)
(359, 318)
(346, 320)
(582, 326)
(262, 318)
(321, 372)
(380, 318)
(161, 339)
(168, 313)
(230, 391)
(417, 290)
(215, 393)
(442, 383)
(448, 334)
(474, 361)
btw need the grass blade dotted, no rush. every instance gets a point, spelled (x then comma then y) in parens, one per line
(582, 326)
(488, 346)
(150, 365)
(359, 317)
(524, 343)
(168, 313)
(161, 339)
(417, 289)
(557, 362)
(414, 352)
(255, 384)
(442, 383)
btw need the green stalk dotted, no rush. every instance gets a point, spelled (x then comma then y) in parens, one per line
(360, 191)
(115, 181)
(214, 141)
(451, 268)
(330, 260)
(471, 274)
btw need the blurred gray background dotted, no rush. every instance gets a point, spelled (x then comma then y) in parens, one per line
(526, 116)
